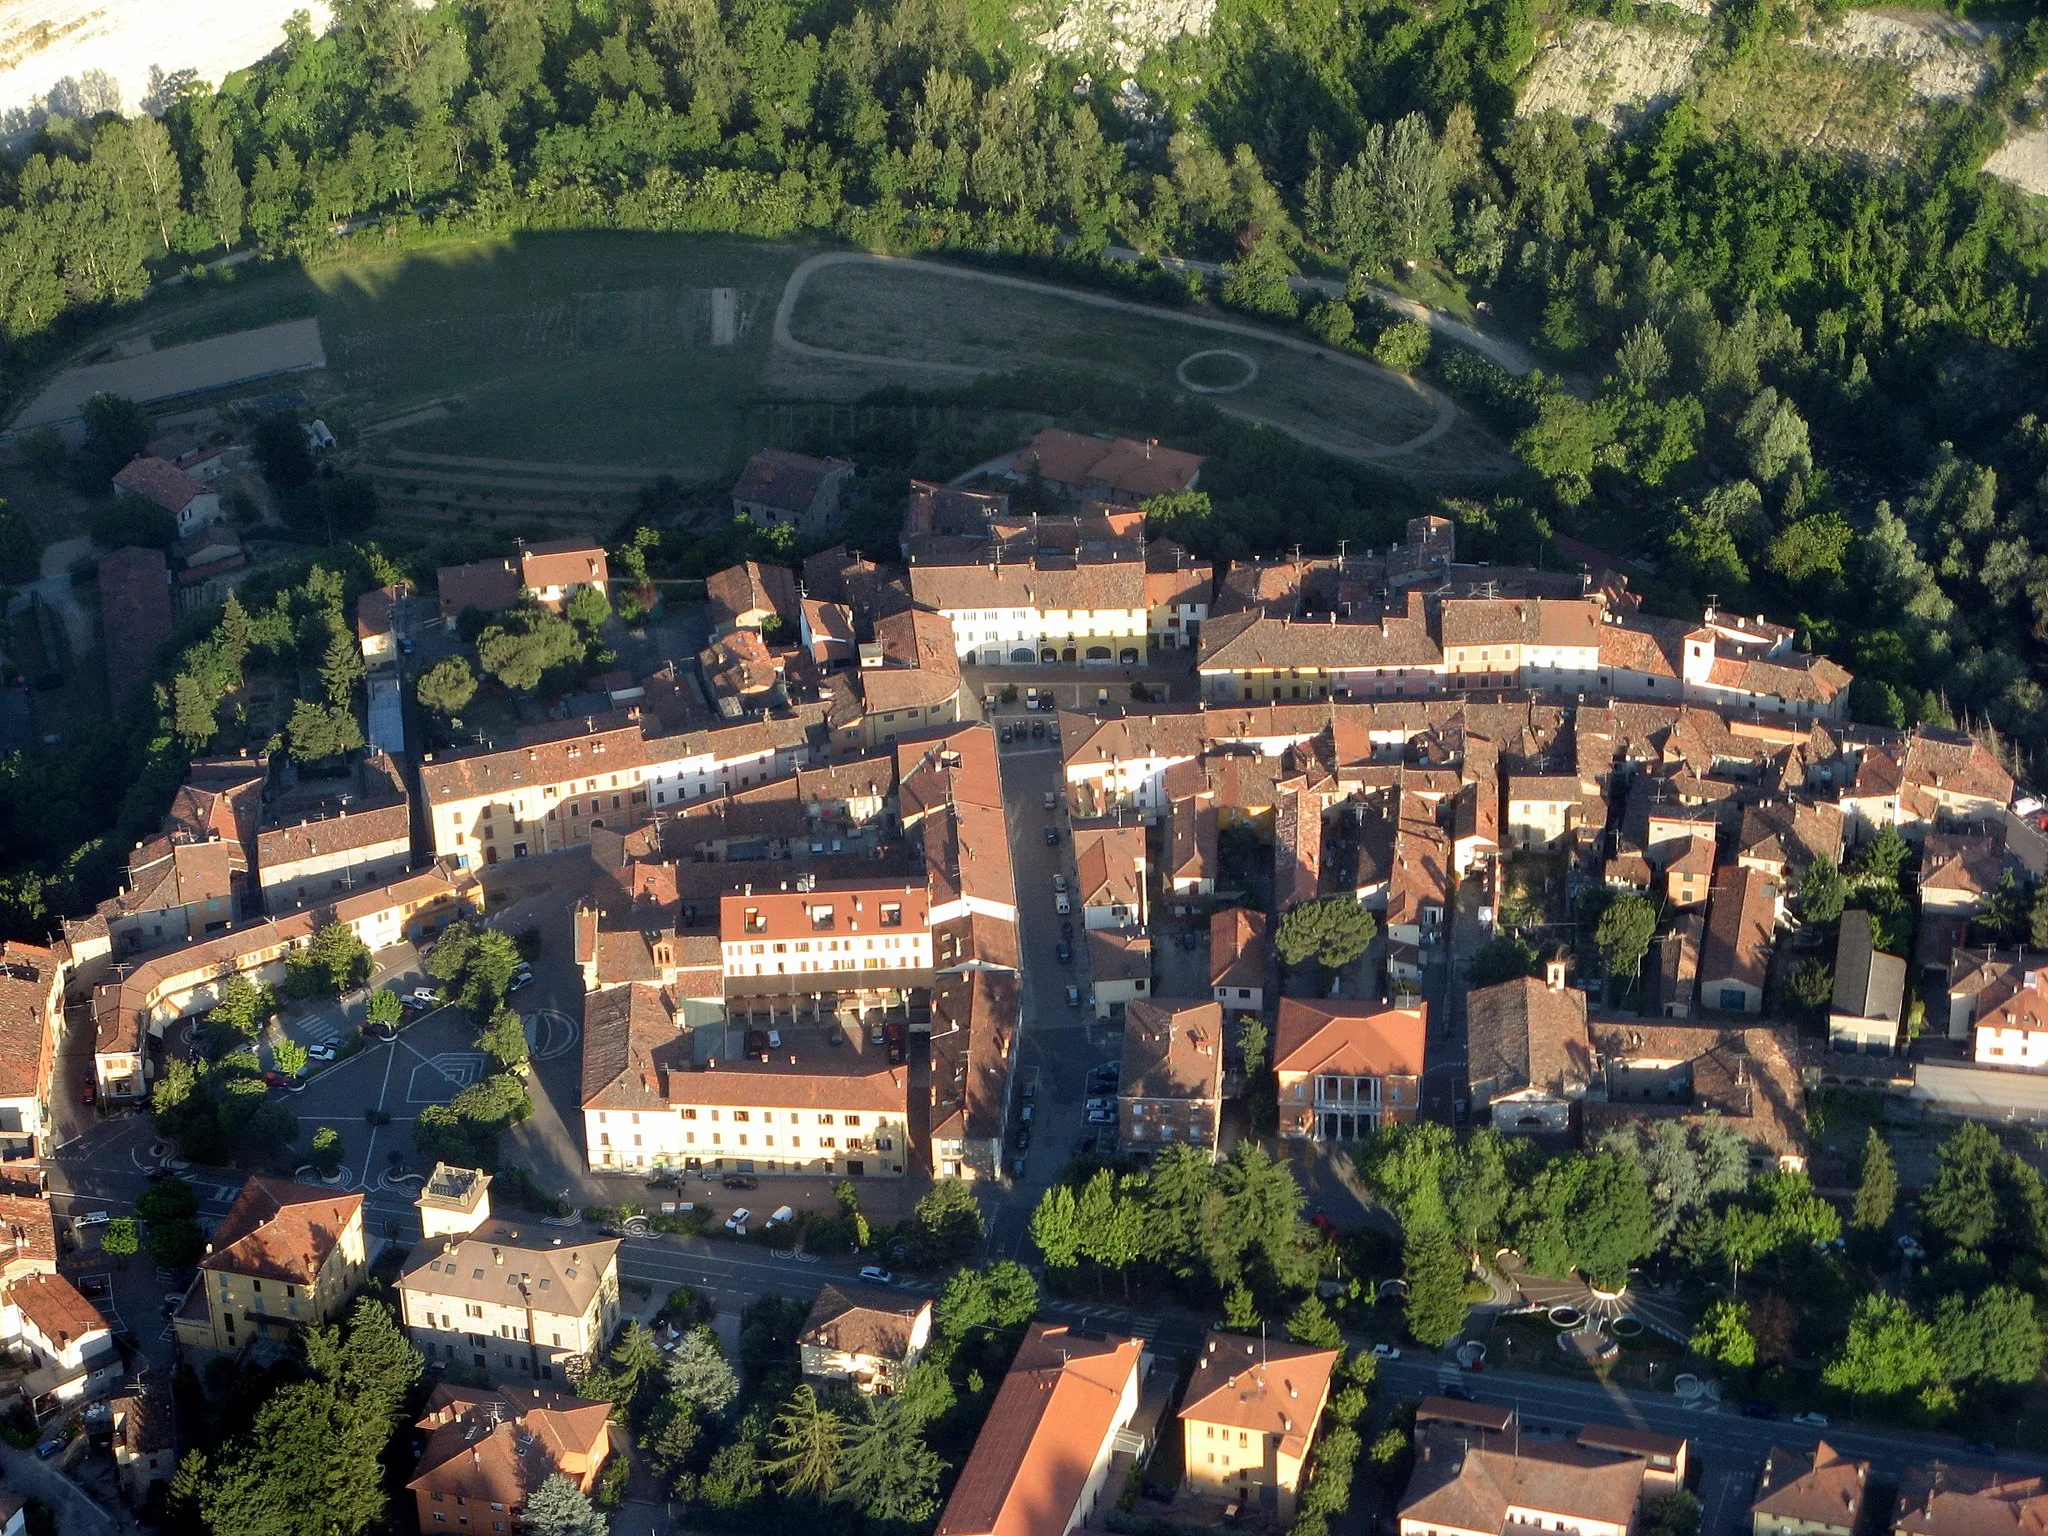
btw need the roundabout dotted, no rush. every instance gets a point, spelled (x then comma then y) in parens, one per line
(1216, 371)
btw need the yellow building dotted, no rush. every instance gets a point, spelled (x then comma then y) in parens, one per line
(1248, 1420)
(285, 1255)
(1808, 1493)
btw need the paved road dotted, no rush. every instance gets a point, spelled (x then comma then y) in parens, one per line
(1446, 410)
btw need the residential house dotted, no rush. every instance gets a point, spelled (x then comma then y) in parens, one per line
(135, 616)
(1673, 971)
(1781, 837)
(31, 1033)
(973, 1033)
(1471, 1481)
(1171, 1090)
(377, 623)
(864, 1336)
(348, 843)
(508, 1301)
(1735, 961)
(1120, 969)
(1346, 1068)
(1689, 871)
(826, 631)
(752, 596)
(1529, 1056)
(1252, 657)
(1544, 811)
(1418, 888)
(1817, 1492)
(1870, 990)
(1120, 762)
(487, 586)
(285, 1256)
(853, 938)
(165, 485)
(1931, 778)
(204, 553)
(1950, 1498)
(485, 1452)
(1178, 588)
(1237, 959)
(1745, 1078)
(1040, 1466)
(780, 489)
(145, 1443)
(810, 1104)
(1109, 875)
(1118, 470)
(1248, 1421)
(72, 1342)
(1960, 868)
(1191, 832)
(909, 679)
(2011, 1024)
(553, 572)
(1041, 609)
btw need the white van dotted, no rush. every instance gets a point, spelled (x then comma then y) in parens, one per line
(1062, 903)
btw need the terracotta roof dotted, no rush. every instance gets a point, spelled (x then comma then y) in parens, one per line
(28, 1231)
(751, 587)
(54, 1305)
(921, 664)
(630, 1044)
(830, 626)
(812, 1076)
(146, 1422)
(1957, 1499)
(553, 1271)
(163, 483)
(350, 830)
(1057, 1407)
(864, 1320)
(500, 1446)
(30, 978)
(562, 563)
(1525, 1033)
(1956, 765)
(1470, 1482)
(1237, 948)
(1261, 1384)
(1638, 647)
(489, 586)
(1076, 460)
(1173, 1049)
(1790, 832)
(1108, 866)
(1745, 1078)
(1821, 1486)
(1119, 954)
(1252, 641)
(1966, 862)
(1741, 919)
(787, 481)
(1041, 584)
(135, 616)
(1338, 1035)
(740, 663)
(278, 1230)
(970, 1071)
(377, 610)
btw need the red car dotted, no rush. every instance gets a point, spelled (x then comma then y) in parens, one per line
(274, 1079)
(91, 1095)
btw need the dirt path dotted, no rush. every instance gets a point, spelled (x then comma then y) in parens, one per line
(1446, 412)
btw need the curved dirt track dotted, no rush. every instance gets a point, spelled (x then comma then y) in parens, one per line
(1446, 412)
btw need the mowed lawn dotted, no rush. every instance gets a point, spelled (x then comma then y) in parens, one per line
(586, 348)
(911, 312)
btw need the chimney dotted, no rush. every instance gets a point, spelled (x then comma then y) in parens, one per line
(1553, 975)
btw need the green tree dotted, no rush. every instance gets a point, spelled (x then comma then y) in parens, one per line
(1254, 1040)
(384, 1008)
(322, 730)
(342, 668)
(809, 1439)
(949, 1221)
(1240, 1310)
(222, 197)
(289, 1057)
(244, 1006)
(1723, 1336)
(1402, 346)
(121, 1238)
(326, 1149)
(588, 608)
(1812, 982)
(698, 1375)
(1503, 958)
(1434, 1269)
(171, 1199)
(559, 1508)
(333, 961)
(1673, 1514)
(1822, 890)
(504, 1040)
(175, 1244)
(116, 430)
(1333, 930)
(1960, 1204)
(1624, 932)
(1882, 861)
(1994, 1337)
(890, 1474)
(1312, 1324)
(1877, 1189)
(1259, 281)
(447, 686)
(634, 1355)
(1889, 1353)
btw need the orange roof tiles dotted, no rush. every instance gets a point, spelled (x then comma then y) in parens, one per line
(278, 1230)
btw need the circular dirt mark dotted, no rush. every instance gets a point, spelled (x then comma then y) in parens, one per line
(1216, 371)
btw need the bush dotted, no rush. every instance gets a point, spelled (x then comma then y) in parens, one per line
(1333, 322)
(1403, 347)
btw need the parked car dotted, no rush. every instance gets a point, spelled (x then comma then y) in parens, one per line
(1811, 1420)
(275, 1079)
(781, 1216)
(1059, 882)
(423, 997)
(1038, 730)
(1003, 735)
(1023, 1138)
(1066, 952)
(1066, 930)
(1102, 1117)
(1073, 995)
(324, 1051)
(737, 1221)
(91, 1094)
(1052, 799)
(519, 979)
(1052, 837)
(742, 1181)
(874, 1274)
(1025, 1113)
(53, 1446)
(1385, 1352)
(1755, 1408)
(1055, 731)
(92, 1219)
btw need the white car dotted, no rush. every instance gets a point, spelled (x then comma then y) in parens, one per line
(874, 1274)
(92, 1219)
(737, 1221)
(324, 1051)
(425, 997)
(781, 1216)
(1385, 1352)
(1811, 1420)
(1059, 883)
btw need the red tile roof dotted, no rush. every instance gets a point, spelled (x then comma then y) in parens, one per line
(278, 1230)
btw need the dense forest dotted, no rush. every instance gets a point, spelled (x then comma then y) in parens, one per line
(1791, 381)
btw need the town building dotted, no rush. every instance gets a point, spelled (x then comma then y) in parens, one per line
(973, 1037)
(164, 485)
(1110, 864)
(510, 1302)
(1041, 609)
(1248, 1421)
(2011, 1025)
(1178, 591)
(31, 1033)
(1870, 990)
(780, 489)
(339, 843)
(864, 1336)
(1237, 959)
(909, 678)
(145, 1442)
(1171, 1090)
(1118, 470)
(485, 1452)
(751, 595)
(484, 586)
(285, 1256)
(1346, 1068)
(1040, 1466)
(1119, 969)
(1529, 1055)
(1744, 1078)
(1735, 961)
(71, 1342)
(553, 572)
(1689, 871)
(809, 937)
(1945, 1498)
(377, 623)
(1817, 1492)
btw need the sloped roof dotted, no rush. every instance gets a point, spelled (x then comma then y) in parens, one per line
(1237, 948)
(1868, 983)
(1524, 1033)
(1821, 1486)
(868, 1320)
(1266, 1385)
(751, 587)
(500, 1446)
(163, 483)
(1173, 1049)
(1338, 1035)
(278, 1230)
(787, 481)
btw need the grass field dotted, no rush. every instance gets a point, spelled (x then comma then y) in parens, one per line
(903, 311)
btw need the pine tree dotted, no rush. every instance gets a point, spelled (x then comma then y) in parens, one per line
(558, 1508)
(1877, 1191)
